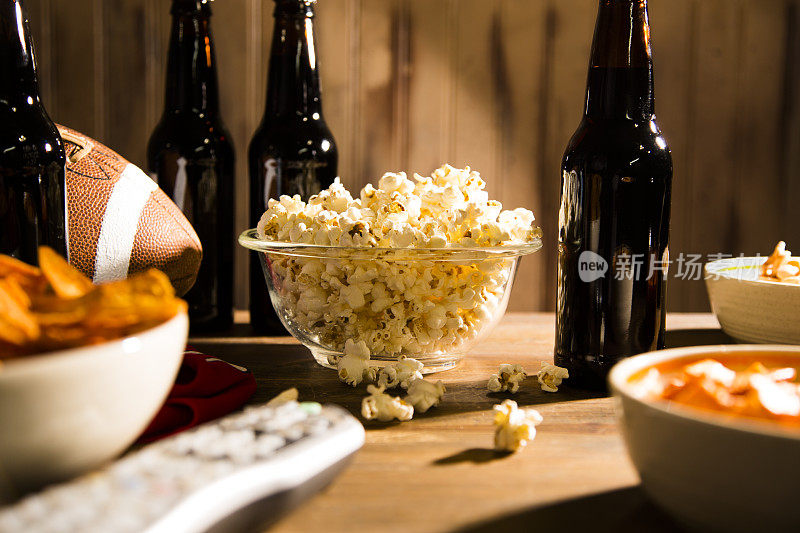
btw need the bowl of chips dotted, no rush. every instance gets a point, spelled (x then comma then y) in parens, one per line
(83, 367)
(757, 299)
(714, 433)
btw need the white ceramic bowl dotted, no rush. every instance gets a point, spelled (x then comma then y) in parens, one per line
(64, 413)
(712, 472)
(750, 309)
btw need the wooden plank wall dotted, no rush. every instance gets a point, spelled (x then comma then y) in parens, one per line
(496, 84)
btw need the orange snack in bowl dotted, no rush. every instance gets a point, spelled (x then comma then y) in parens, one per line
(755, 391)
(56, 307)
(780, 266)
(66, 281)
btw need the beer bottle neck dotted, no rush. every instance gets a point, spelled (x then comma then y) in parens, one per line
(191, 67)
(17, 62)
(293, 82)
(620, 81)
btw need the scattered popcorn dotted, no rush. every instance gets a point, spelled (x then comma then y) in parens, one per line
(394, 303)
(514, 427)
(551, 376)
(380, 406)
(401, 373)
(353, 366)
(423, 394)
(289, 395)
(507, 379)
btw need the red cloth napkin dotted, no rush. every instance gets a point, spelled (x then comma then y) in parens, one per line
(206, 388)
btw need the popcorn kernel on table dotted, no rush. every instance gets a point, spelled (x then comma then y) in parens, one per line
(400, 373)
(508, 378)
(424, 394)
(514, 427)
(383, 407)
(550, 376)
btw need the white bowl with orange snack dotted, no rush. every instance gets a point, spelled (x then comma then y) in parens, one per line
(716, 444)
(757, 299)
(83, 368)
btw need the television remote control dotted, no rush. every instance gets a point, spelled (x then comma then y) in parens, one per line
(234, 474)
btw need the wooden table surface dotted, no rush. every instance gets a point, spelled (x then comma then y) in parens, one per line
(438, 471)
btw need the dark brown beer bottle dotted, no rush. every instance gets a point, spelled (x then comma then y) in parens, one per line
(293, 151)
(33, 201)
(615, 204)
(191, 156)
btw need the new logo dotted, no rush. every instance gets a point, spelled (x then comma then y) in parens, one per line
(591, 266)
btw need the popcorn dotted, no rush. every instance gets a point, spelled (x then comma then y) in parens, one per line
(514, 427)
(551, 376)
(394, 303)
(354, 366)
(380, 406)
(450, 206)
(402, 373)
(424, 394)
(507, 379)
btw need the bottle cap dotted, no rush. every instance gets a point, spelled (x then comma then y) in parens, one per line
(295, 7)
(191, 6)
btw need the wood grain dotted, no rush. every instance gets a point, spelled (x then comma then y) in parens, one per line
(378, 91)
(790, 127)
(438, 472)
(498, 84)
(475, 106)
(338, 38)
(763, 47)
(240, 122)
(520, 76)
(713, 214)
(672, 42)
(568, 36)
(429, 84)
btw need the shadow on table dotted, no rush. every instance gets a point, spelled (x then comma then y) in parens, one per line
(472, 455)
(620, 510)
(278, 367)
(679, 338)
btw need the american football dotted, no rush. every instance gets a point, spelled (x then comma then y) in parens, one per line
(120, 222)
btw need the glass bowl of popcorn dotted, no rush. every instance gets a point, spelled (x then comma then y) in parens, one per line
(419, 268)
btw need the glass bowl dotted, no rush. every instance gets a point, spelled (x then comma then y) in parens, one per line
(431, 304)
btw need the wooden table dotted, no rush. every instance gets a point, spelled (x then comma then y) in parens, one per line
(438, 472)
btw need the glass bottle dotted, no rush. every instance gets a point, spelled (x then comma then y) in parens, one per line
(33, 199)
(615, 207)
(293, 150)
(191, 156)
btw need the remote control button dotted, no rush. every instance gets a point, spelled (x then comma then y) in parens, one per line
(143, 487)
